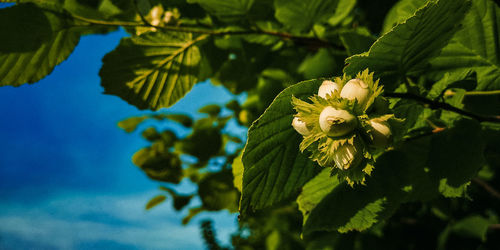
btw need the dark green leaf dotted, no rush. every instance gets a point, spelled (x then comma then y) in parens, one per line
(455, 157)
(185, 120)
(474, 226)
(357, 41)
(33, 42)
(406, 49)
(274, 167)
(211, 109)
(315, 190)
(226, 10)
(321, 64)
(476, 46)
(159, 164)
(301, 15)
(153, 70)
(217, 192)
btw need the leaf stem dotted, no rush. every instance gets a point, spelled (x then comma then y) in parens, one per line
(441, 105)
(486, 187)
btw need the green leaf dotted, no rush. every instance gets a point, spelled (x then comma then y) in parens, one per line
(344, 8)
(476, 46)
(153, 70)
(33, 42)
(401, 11)
(155, 201)
(406, 49)
(211, 109)
(346, 209)
(237, 168)
(320, 64)
(217, 192)
(357, 41)
(203, 143)
(226, 10)
(184, 120)
(159, 164)
(101, 10)
(455, 156)
(274, 169)
(315, 190)
(474, 226)
(130, 124)
(301, 15)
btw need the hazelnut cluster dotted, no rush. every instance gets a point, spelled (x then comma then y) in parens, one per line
(344, 125)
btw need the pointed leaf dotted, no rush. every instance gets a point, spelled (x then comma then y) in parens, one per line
(153, 70)
(33, 42)
(476, 46)
(274, 169)
(406, 49)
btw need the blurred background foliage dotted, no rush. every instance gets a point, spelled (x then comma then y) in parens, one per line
(261, 47)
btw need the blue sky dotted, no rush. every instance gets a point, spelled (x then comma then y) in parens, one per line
(66, 177)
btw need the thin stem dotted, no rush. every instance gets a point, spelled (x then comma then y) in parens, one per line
(492, 92)
(441, 105)
(487, 187)
(301, 40)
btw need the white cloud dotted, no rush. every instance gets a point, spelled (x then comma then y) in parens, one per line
(67, 221)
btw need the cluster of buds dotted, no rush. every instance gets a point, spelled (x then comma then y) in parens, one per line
(344, 125)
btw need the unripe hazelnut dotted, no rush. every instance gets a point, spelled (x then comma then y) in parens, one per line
(327, 87)
(300, 126)
(336, 122)
(381, 133)
(346, 156)
(356, 89)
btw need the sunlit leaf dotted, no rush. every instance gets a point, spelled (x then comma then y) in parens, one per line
(406, 49)
(33, 42)
(153, 70)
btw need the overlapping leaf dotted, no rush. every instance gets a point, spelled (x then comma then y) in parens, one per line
(33, 42)
(226, 10)
(417, 171)
(301, 15)
(476, 46)
(153, 70)
(405, 50)
(274, 169)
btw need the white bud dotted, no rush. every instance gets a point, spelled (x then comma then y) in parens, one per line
(381, 133)
(336, 122)
(356, 89)
(327, 87)
(346, 156)
(300, 126)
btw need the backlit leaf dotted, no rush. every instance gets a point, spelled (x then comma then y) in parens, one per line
(153, 70)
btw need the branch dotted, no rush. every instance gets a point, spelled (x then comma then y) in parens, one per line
(487, 187)
(301, 40)
(441, 105)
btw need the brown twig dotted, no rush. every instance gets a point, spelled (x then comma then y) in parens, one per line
(441, 105)
(487, 187)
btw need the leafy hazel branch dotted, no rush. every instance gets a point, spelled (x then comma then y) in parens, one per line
(312, 42)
